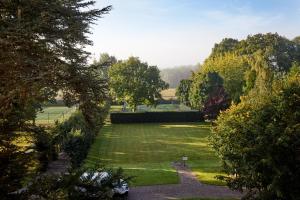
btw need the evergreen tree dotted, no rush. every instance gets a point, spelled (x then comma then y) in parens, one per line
(41, 52)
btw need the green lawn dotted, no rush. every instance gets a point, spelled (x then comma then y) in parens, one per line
(50, 114)
(147, 150)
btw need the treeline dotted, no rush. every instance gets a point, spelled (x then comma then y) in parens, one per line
(234, 68)
(256, 84)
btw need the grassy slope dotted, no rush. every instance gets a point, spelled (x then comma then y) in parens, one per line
(147, 150)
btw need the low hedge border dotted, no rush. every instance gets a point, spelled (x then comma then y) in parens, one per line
(153, 117)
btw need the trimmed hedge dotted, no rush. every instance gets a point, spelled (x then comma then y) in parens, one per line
(149, 117)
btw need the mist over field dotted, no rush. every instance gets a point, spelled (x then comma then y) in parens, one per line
(173, 75)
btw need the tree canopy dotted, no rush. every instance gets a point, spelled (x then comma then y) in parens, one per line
(136, 82)
(244, 65)
(42, 52)
(258, 141)
(182, 91)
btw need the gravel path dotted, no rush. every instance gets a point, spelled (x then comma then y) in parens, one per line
(59, 166)
(189, 187)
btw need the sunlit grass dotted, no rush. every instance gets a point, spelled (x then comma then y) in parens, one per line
(54, 113)
(148, 150)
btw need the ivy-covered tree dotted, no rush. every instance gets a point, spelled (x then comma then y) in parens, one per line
(135, 82)
(258, 141)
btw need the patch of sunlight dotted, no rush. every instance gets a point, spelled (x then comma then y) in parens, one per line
(196, 144)
(209, 177)
(178, 126)
(119, 153)
(149, 169)
(152, 151)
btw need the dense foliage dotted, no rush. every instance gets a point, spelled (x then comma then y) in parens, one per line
(135, 82)
(243, 65)
(75, 135)
(74, 185)
(209, 94)
(42, 52)
(258, 141)
(182, 91)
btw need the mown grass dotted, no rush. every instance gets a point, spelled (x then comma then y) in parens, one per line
(147, 151)
(54, 113)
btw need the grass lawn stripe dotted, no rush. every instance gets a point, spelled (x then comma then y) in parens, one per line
(147, 151)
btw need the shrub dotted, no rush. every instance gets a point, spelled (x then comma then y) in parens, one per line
(75, 136)
(258, 141)
(73, 185)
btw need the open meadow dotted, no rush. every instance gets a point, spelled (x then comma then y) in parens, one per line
(148, 150)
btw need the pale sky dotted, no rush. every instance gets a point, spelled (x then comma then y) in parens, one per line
(170, 33)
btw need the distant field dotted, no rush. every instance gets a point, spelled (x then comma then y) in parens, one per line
(163, 107)
(168, 94)
(50, 114)
(147, 151)
(158, 108)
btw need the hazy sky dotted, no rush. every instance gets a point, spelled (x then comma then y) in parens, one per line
(171, 33)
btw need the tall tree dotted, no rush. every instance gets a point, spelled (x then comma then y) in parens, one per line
(225, 46)
(258, 141)
(42, 51)
(232, 68)
(135, 82)
(183, 90)
(253, 63)
(297, 40)
(208, 94)
(104, 63)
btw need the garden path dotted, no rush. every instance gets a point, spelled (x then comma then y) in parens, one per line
(189, 187)
(59, 166)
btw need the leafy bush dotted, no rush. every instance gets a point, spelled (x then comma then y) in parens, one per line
(258, 141)
(149, 117)
(76, 135)
(13, 164)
